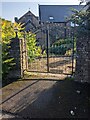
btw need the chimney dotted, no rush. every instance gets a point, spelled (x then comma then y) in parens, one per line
(16, 19)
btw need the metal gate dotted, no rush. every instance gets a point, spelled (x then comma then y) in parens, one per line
(58, 48)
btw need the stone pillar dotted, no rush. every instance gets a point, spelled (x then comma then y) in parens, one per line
(23, 56)
(83, 59)
(15, 53)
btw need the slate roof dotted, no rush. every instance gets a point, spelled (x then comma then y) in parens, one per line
(29, 13)
(56, 13)
(29, 20)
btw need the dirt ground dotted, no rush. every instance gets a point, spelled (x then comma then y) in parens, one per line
(45, 98)
(56, 65)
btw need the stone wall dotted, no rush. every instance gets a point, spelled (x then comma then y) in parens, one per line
(18, 52)
(83, 59)
(15, 53)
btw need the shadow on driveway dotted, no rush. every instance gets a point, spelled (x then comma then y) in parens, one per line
(62, 99)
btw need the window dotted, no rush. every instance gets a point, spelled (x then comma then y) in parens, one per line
(73, 24)
(51, 17)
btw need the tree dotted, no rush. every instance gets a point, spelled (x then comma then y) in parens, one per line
(7, 34)
(32, 48)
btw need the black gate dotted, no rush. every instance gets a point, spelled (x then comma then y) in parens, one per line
(58, 49)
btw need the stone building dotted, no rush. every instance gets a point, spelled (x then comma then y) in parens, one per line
(29, 20)
(31, 23)
(48, 14)
(58, 18)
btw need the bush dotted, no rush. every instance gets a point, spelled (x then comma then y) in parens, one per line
(7, 34)
(62, 46)
(58, 50)
(63, 41)
(33, 50)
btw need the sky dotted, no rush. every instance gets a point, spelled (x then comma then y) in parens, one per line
(17, 8)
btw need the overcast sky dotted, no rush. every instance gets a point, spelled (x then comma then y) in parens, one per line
(16, 8)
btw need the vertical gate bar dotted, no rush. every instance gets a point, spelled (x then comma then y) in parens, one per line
(26, 60)
(65, 34)
(26, 54)
(72, 52)
(47, 39)
(22, 57)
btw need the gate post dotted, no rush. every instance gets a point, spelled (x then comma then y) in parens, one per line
(47, 41)
(18, 51)
(23, 56)
(72, 51)
(15, 53)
